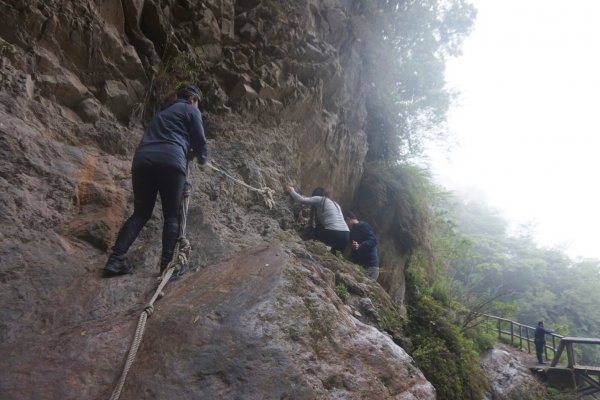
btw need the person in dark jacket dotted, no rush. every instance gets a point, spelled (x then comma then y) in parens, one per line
(363, 245)
(540, 340)
(159, 167)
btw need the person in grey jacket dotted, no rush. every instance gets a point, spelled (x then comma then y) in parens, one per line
(160, 167)
(326, 217)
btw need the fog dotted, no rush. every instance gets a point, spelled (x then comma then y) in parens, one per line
(526, 125)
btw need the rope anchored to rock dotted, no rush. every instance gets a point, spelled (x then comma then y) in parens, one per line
(266, 192)
(175, 268)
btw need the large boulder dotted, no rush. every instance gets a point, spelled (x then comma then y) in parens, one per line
(509, 376)
(264, 324)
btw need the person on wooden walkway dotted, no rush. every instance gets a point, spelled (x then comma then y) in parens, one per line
(540, 341)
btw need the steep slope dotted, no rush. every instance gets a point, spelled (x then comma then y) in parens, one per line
(285, 91)
(263, 324)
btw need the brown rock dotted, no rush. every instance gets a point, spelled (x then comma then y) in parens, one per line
(248, 32)
(254, 327)
(65, 88)
(243, 91)
(89, 110)
(116, 97)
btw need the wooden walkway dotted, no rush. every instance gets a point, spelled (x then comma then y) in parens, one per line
(587, 377)
(563, 372)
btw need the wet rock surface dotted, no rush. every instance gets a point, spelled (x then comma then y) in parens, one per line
(509, 376)
(258, 313)
(263, 324)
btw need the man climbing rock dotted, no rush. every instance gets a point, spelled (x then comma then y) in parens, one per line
(540, 341)
(363, 244)
(159, 167)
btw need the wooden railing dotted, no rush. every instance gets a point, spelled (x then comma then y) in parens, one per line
(584, 378)
(566, 345)
(587, 376)
(522, 336)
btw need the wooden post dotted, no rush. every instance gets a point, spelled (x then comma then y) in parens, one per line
(512, 334)
(557, 354)
(498, 326)
(570, 355)
(528, 340)
(545, 349)
(520, 337)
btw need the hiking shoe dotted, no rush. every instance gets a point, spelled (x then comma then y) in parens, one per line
(117, 265)
(164, 263)
(178, 272)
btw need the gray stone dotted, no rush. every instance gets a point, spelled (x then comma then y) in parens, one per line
(509, 377)
(66, 88)
(116, 97)
(29, 86)
(267, 92)
(247, 3)
(227, 28)
(248, 32)
(243, 91)
(89, 110)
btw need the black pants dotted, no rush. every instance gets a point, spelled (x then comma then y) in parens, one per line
(539, 351)
(148, 181)
(336, 239)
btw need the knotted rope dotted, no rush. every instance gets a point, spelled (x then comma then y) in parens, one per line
(179, 261)
(265, 192)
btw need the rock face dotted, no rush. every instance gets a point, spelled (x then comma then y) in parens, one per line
(264, 324)
(285, 90)
(509, 377)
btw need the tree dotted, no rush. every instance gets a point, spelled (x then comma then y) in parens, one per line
(408, 100)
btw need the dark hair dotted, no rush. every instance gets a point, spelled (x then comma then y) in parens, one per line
(320, 192)
(349, 214)
(541, 323)
(185, 91)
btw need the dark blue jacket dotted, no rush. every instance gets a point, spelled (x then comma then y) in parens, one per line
(540, 334)
(366, 255)
(168, 138)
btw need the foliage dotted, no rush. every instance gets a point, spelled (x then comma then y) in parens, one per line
(408, 100)
(535, 283)
(389, 320)
(559, 395)
(177, 68)
(180, 68)
(407, 190)
(6, 49)
(342, 291)
(448, 358)
(321, 326)
(443, 351)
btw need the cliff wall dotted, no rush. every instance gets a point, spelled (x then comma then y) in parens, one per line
(285, 86)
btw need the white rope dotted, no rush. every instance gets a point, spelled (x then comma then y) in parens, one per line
(180, 259)
(177, 264)
(266, 192)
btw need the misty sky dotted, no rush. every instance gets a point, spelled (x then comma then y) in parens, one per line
(527, 122)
